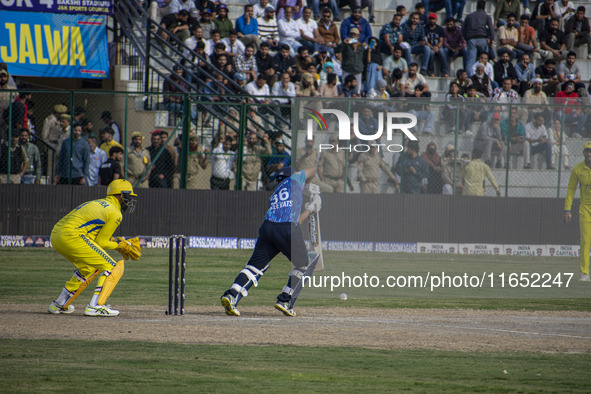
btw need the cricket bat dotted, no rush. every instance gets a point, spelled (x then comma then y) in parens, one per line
(316, 239)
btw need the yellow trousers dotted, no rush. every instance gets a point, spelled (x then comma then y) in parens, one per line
(585, 227)
(84, 253)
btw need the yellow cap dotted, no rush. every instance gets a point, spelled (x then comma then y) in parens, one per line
(587, 145)
(119, 186)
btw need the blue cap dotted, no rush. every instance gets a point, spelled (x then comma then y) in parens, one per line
(240, 77)
(283, 173)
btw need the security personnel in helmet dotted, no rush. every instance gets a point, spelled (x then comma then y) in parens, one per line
(82, 237)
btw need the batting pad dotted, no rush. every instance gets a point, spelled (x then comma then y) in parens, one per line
(111, 282)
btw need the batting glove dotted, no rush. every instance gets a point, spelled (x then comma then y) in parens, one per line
(312, 189)
(315, 203)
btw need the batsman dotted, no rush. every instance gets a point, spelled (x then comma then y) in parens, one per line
(82, 236)
(280, 232)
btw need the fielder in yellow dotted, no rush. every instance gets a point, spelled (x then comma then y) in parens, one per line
(581, 175)
(82, 236)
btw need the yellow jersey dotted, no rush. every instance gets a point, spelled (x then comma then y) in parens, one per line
(581, 174)
(97, 220)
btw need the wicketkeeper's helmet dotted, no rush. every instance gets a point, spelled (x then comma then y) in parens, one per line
(123, 187)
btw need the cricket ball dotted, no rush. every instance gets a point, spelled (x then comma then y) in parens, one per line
(343, 296)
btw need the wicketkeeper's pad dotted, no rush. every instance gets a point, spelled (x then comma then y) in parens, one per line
(83, 286)
(111, 282)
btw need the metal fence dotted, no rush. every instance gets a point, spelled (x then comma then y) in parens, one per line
(173, 141)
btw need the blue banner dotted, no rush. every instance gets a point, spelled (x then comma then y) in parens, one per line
(89, 7)
(52, 45)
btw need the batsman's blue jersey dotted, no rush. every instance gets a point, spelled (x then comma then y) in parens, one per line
(285, 204)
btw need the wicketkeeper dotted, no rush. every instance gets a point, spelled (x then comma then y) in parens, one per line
(82, 236)
(280, 232)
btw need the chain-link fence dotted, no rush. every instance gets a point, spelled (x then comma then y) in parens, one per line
(153, 140)
(367, 146)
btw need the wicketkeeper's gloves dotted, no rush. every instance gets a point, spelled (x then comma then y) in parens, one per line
(129, 248)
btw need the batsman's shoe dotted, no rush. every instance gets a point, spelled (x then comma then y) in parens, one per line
(284, 307)
(100, 310)
(229, 304)
(55, 309)
(584, 278)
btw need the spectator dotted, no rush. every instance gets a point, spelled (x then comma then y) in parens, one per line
(5, 94)
(306, 88)
(158, 9)
(391, 35)
(77, 163)
(540, 140)
(246, 63)
(564, 10)
(191, 44)
(504, 69)
(172, 102)
(421, 9)
(372, 65)
(260, 89)
(177, 5)
(379, 91)
(370, 164)
(356, 20)
(488, 68)
(453, 96)
(215, 45)
(413, 33)
(138, 162)
(329, 89)
(481, 81)
(169, 147)
(107, 118)
(222, 164)
(97, 158)
(552, 41)
(538, 99)
(52, 131)
(330, 5)
(328, 31)
(489, 141)
(527, 36)
(434, 40)
(289, 31)
(162, 169)
(509, 37)
(525, 74)
(248, 27)
(503, 10)
(396, 61)
(349, 87)
(268, 30)
(234, 47)
(513, 130)
(542, 15)
(279, 160)
(265, 63)
(505, 94)
(254, 152)
(454, 42)
(547, 73)
(557, 135)
(65, 125)
(283, 62)
(19, 161)
(413, 169)
(32, 173)
(331, 167)
(401, 10)
(309, 36)
(296, 7)
(368, 124)
(222, 23)
(478, 30)
(206, 23)
(451, 169)
(259, 8)
(352, 54)
(87, 129)
(108, 141)
(434, 179)
(578, 32)
(474, 175)
(570, 71)
(197, 159)
(111, 169)
(568, 99)
(411, 80)
(303, 60)
(177, 24)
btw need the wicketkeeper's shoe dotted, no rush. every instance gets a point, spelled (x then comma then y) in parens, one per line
(284, 307)
(100, 310)
(55, 309)
(584, 278)
(229, 304)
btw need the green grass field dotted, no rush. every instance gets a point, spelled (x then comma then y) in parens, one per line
(36, 276)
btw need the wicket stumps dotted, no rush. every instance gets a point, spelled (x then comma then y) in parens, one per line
(177, 246)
